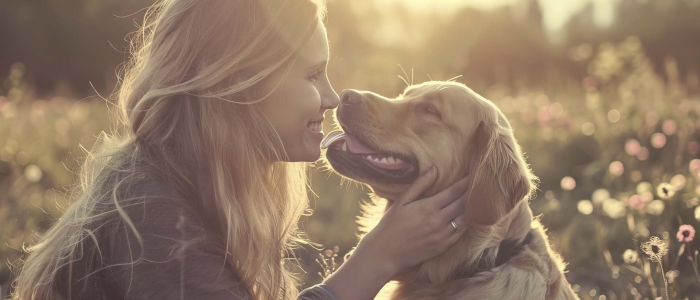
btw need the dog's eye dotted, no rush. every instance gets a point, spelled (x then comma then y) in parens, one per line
(430, 109)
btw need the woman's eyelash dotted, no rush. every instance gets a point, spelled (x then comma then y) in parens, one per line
(314, 76)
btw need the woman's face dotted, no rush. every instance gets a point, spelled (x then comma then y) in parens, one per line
(301, 93)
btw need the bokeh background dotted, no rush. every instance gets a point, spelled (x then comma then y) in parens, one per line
(604, 97)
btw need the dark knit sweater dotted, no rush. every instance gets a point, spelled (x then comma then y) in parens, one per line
(168, 269)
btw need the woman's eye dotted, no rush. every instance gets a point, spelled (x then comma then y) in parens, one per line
(314, 76)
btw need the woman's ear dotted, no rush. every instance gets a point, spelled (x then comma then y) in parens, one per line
(501, 178)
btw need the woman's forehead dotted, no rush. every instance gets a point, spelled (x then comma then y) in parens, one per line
(315, 50)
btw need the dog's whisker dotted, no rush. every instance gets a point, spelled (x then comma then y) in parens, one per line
(404, 80)
(431, 79)
(454, 78)
(405, 74)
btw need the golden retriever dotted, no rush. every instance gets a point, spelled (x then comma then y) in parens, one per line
(504, 253)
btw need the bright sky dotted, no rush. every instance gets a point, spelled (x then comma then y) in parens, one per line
(556, 12)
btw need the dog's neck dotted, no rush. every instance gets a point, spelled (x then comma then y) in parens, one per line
(477, 250)
(490, 246)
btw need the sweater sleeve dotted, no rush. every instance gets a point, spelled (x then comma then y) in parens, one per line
(318, 292)
(178, 260)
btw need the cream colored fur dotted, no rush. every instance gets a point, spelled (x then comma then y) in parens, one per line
(498, 206)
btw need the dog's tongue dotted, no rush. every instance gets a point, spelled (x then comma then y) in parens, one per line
(354, 145)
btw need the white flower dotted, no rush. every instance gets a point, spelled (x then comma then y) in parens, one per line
(585, 207)
(614, 209)
(600, 195)
(656, 207)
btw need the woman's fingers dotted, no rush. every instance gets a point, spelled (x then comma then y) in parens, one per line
(420, 185)
(454, 192)
(448, 231)
(454, 209)
(453, 236)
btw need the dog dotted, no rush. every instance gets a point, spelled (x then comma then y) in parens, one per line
(504, 253)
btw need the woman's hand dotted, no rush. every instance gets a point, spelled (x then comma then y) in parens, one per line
(410, 232)
(413, 231)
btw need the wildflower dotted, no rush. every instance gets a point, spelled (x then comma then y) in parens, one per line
(614, 209)
(655, 248)
(585, 207)
(636, 202)
(672, 275)
(600, 195)
(568, 183)
(643, 153)
(616, 168)
(632, 147)
(694, 166)
(669, 127)
(685, 234)
(665, 191)
(630, 256)
(644, 186)
(658, 140)
(656, 207)
(678, 182)
(692, 202)
(636, 176)
(646, 197)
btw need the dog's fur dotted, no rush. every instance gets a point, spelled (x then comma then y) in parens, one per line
(463, 134)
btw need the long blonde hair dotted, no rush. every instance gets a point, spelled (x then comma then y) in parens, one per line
(187, 112)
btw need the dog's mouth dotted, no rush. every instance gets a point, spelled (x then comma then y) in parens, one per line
(352, 156)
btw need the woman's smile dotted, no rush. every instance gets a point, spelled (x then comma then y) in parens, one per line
(316, 128)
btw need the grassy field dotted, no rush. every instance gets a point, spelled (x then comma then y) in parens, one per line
(617, 154)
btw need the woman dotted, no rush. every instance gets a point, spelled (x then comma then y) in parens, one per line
(199, 197)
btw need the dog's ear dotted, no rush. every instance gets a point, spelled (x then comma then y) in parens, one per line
(500, 176)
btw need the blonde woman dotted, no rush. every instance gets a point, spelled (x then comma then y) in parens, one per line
(199, 197)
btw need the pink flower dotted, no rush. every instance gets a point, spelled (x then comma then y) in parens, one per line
(643, 153)
(694, 166)
(685, 234)
(693, 147)
(616, 168)
(669, 127)
(632, 147)
(590, 83)
(636, 202)
(658, 140)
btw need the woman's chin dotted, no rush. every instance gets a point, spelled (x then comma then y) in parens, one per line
(310, 154)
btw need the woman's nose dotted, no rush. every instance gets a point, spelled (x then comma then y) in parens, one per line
(331, 100)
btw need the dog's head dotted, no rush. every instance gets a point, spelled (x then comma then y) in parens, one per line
(387, 142)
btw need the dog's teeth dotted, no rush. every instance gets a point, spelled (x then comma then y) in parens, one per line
(369, 156)
(398, 160)
(391, 160)
(383, 159)
(344, 147)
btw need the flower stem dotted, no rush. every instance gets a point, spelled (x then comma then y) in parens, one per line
(695, 264)
(664, 277)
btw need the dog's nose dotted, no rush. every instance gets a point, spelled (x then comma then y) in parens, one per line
(350, 97)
